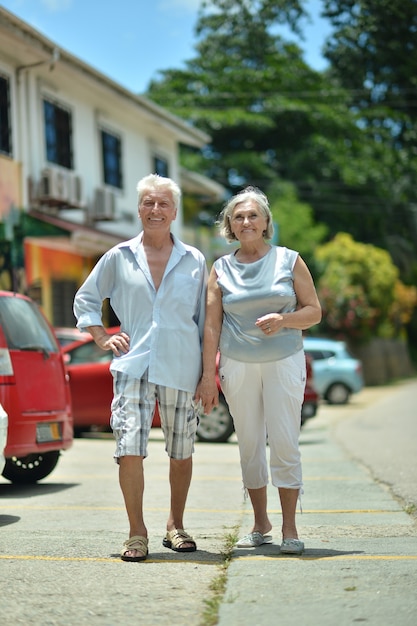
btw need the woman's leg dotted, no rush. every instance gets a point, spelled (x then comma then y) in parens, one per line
(288, 498)
(261, 521)
(284, 384)
(242, 387)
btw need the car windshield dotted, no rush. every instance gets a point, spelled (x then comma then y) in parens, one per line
(65, 340)
(24, 327)
(318, 355)
(90, 353)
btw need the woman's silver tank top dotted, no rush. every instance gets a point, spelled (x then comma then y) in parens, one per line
(249, 291)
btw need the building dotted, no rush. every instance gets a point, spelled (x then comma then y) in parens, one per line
(73, 144)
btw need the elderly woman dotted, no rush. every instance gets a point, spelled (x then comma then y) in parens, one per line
(260, 298)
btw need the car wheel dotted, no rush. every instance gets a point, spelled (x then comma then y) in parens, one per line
(309, 410)
(217, 426)
(338, 393)
(29, 469)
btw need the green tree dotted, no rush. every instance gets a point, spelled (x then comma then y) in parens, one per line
(294, 222)
(272, 118)
(373, 55)
(247, 88)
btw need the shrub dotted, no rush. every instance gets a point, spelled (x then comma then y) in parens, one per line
(357, 289)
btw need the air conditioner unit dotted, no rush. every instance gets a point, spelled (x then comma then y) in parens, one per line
(75, 192)
(54, 186)
(104, 205)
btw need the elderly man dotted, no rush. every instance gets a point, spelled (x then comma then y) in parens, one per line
(156, 286)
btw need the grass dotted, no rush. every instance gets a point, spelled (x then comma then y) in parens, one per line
(411, 509)
(218, 584)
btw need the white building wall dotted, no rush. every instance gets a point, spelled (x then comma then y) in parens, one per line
(140, 142)
(95, 102)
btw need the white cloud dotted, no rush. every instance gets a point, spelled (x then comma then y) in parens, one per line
(190, 5)
(57, 5)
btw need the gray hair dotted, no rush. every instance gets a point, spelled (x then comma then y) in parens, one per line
(155, 181)
(250, 193)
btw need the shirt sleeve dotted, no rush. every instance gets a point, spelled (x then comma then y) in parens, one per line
(201, 303)
(89, 298)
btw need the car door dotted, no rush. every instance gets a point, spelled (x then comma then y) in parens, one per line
(323, 363)
(35, 356)
(91, 383)
(33, 386)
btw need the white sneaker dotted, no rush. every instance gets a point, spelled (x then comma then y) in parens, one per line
(292, 546)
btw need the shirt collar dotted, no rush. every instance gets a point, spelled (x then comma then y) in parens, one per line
(135, 243)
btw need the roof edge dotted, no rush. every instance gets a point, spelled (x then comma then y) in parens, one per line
(196, 136)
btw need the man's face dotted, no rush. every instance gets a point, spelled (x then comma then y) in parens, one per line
(157, 210)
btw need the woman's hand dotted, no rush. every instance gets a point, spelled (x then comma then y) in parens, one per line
(308, 310)
(271, 323)
(208, 393)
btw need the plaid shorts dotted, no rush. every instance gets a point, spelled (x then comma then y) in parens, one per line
(132, 412)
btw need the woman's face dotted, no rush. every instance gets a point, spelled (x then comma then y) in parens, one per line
(248, 222)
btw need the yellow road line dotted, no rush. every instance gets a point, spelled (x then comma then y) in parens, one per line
(33, 507)
(29, 557)
(78, 477)
(347, 511)
(340, 557)
(328, 478)
(58, 479)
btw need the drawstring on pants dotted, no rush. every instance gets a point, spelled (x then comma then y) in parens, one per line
(300, 493)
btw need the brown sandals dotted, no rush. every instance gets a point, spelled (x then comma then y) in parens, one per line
(175, 539)
(138, 543)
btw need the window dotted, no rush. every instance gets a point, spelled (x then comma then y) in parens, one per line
(160, 166)
(5, 127)
(319, 355)
(63, 292)
(58, 134)
(24, 327)
(89, 352)
(112, 159)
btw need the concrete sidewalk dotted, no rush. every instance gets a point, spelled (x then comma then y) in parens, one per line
(360, 562)
(60, 540)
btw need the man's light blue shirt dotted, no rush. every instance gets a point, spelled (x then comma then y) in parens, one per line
(165, 326)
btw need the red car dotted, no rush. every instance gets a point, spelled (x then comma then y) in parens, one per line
(92, 392)
(34, 391)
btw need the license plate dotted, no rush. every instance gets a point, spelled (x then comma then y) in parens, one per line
(48, 431)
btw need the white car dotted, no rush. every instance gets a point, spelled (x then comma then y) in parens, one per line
(3, 436)
(337, 374)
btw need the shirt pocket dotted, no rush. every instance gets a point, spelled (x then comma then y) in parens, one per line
(186, 289)
(292, 373)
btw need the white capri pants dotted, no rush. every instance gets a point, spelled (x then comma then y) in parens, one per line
(265, 401)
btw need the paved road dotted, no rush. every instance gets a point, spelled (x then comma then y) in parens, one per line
(360, 564)
(381, 433)
(59, 540)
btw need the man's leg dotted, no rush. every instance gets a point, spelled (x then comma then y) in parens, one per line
(132, 484)
(179, 423)
(180, 472)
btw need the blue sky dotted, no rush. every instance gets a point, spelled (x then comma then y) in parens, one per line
(130, 40)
